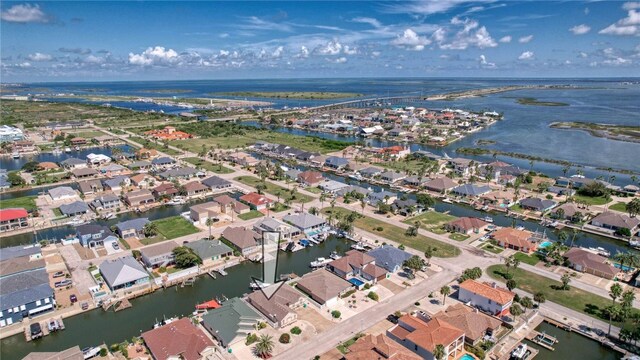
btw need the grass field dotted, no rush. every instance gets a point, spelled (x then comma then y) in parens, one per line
(151, 145)
(430, 220)
(574, 298)
(314, 190)
(175, 227)
(591, 200)
(528, 259)
(253, 214)
(208, 165)
(26, 202)
(620, 206)
(278, 207)
(458, 237)
(397, 234)
(274, 189)
(88, 134)
(492, 248)
(57, 212)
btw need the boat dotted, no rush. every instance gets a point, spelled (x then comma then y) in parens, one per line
(519, 352)
(77, 148)
(313, 240)
(164, 322)
(485, 208)
(334, 255)
(178, 200)
(57, 151)
(447, 200)
(15, 155)
(257, 286)
(520, 227)
(208, 305)
(90, 352)
(358, 246)
(488, 219)
(290, 246)
(305, 243)
(320, 262)
(53, 325)
(109, 216)
(77, 221)
(67, 149)
(355, 177)
(600, 251)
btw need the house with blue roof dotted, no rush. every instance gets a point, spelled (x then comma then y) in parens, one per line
(336, 162)
(470, 190)
(389, 257)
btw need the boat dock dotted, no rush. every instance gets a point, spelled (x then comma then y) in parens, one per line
(221, 272)
(542, 339)
(44, 326)
(530, 354)
(212, 274)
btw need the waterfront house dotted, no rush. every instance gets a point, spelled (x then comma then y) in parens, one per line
(356, 264)
(122, 273)
(615, 222)
(336, 162)
(89, 187)
(106, 139)
(332, 186)
(93, 235)
(576, 182)
(18, 259)
(535, 204)
(10, 134)
(415, 181)
(310, 178)
(140, 165)
(139, 197)
(256, 201)
(178, 173)
(245, 241)
(24, 294)
(392, 176)
(470, 190)
(228, 205)
(73, 163)
(105, 202)
(568, 211)
(477, 326)
(422, 337)
(162, 162)
(217, 183)
(180, 339)
(98, 159)
(112, 170)
(426, 154)
(77, 141)
(231, 322)
(631, 189)
(159, 255)
(84, 173)
(305, 223)
(389, 257)
(323, 287)
(293, 174)
(11, 219)
(73, 353)
(133, 228)
(279, 309)
(397, 132)
(382, 196)
(510, 238)
(462, 166)
(585, 261)
(144, 153)
(440, 185)
(195, 188)
(467, 225)
(210, 250)
(142, 180)
(352, 189)
(199, 213)
(116, 183)
(272, 225)
(74, 209)
(379, 347)
(370, 172)
(370, 131)
(499, 198)
(561, 191)
(486, 296)
(406, 207)
(167, 190)
(243, 159)
(62, 193)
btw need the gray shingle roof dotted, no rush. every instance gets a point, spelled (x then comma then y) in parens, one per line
(18, 251)
(389, 257)
(228, 320)
(74, 208)
(61, 191)
(209, 248)
(304, 220)
(121, 271)
(216, 182)
(137, 224)
(23, 288)
(471, 189)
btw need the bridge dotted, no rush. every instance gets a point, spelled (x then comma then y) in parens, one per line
(371, 102)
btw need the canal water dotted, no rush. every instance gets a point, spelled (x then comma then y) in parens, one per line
(10, 163)
(572, 346)
(97, 326)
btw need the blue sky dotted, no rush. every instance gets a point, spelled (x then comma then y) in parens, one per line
(100, 41)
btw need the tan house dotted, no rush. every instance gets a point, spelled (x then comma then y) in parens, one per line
(246, 241)
(475, 324)
(323, 287)
(510, 238)
(201, 212)
(422, 337)
(467, 225)
(280, 308)
(139, 197)
(590, 263)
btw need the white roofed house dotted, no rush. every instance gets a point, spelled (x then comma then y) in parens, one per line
(159, 255)
(98, 159)
(271, 225)
(306, 223)
(122, 273)
(62, 193)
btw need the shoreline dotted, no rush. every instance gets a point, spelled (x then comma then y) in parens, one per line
(605, 131)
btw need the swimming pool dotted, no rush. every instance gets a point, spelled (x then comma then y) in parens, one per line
(357, 282)
(623, 267)
(545, 244)
(467, 357)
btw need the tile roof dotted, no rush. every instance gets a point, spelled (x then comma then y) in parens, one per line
(255, 199)
(500, 295)
(440, 184)
(428, 335)
(278, 306)
(378, 347)
(474, 323)
(468, 223)
(178, 339)
(515, 237)
(241, 237)
(323, 284)
(73, 353)
(353, 259)
(589, 260)
(617, 220)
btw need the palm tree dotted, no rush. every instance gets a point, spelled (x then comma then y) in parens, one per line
(439, 352)
(363, 204)
(264, 346)
(539, 298)
(566, 279)
(445, 291)
(613, 312)
(209, 223)
(562, 236)
(323, 197)
(614, 292)
(526, 303)
(516, 310)
(574, 234)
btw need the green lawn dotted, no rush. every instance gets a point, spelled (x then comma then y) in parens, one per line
(274, 189)
(152, 145)
(207, 165)
(492, 248)
(591, 200)
(344, 346)
(174, 227)
(397, 234)
(57, 212)
(313, 190)
(278, 207)
(251, 215)
(430, 220)
(619, 207)
(516, 208)
(528, 259)
(458, 237)
(574, 298)
(89, 134)
(26, 202)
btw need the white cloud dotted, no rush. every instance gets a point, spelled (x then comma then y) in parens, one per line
(349, 50)
(580, 29)
(527, 55)
(340, 60)
(410, 40)
(632, 5)
(426, 7)
(505, 39)
(304, 52)
(278, 52)
(39, 57)
(525, 39)
(24, 13)
(333, 47)
(256, 23)
(154, 56)
(470, 35)
(223, 35)
(586, 11)
(617, 61)
(582, 54)
(484, 63)
(91, 59)
(367, 20)
(626, 26)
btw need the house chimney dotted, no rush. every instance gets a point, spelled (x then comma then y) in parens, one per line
(494, 285)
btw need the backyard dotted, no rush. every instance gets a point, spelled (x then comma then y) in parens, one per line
(26, 202)
(620, 206)
(207, 165)
(274, 189)
(591, 200)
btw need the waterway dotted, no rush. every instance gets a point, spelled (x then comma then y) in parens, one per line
(97, 326)
(572, 346)
(10, 163)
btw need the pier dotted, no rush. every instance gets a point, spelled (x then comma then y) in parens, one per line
(542, 339)
(221, 272)
(44, 326)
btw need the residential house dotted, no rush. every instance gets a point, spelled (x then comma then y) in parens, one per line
(245, 241)
(510, 238)
(105, 202)
(162, 162)
(502, 199)
(47, 166)
(11, 219)
(117, 183)
(84, 173)
(90, 187)
(73, 353)
(406, 207)
(217, 183)
(305, 223)
(167, 190)
(352, 189)
(392, 176)
(229, 205)
(422, 337)
(123, 273)
(462, 166)
(210, 250)
(616, 221)
(293, 174)
(73, 163)
(140, 165)
(279, 309)
(19, 259)
(323, 287)
(179, 340)
(139, 197)
(477, 326)
(271, 225)
(256, 201)
(590, 263)
(561, 191)
(389, 257)
(397, 132)
(178, 173)
(112, 170)
(370, 172)
(74, 209)
(92, 235)
(332, 186)
(133, 228)
(77, 141)
(142, 180)
(486, 296)
(440, 185)
(470, 190)
(231, 322)
(98, 159)
(199, 213)
(379, 347)
(382, 196)
(243, 159)
(144, 153)
(62, 193)
(535, 204)
(25, 294)
(158, 255)
(467, 225)
(310, 178)
(356, 264)
(568, 211)
(106, 139)
(415, 181)
(195, 188)
(336, 162)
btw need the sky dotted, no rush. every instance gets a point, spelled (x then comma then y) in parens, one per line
(165, 40)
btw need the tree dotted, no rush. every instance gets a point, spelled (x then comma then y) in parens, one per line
(428, 253)
(260, 188)
(615, 291)
(414, 263)
(150, 229)
(425, 200)
(336, 314)
(314, 210)
(15, 179)
(412, 230)
(516, 310)
(626, 302)
(445, 291)
(562, 235)
(323, 198)
(511, 284)
(633, 207)
(439, 352)
(363, 204)
(209, 223)
(566, 279)
(539, 297)
(185, 257)
(264, 347)
(285, 338)
(473, 274)
(30, 166)
(612, 312)
(526, 303)
(511, 261)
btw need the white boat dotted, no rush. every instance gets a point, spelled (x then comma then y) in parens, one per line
(164, 322)
(447, 200)
(600, 251)
(77, 221)
(15, 155)
(358, 246)
(77, 148)
(519, 227)
(355, 177)
(320, 262)
(488, 219)
(53, 325)
(67, 149)
(313, 240)
(519, 352)
(57, 151)
(108, 216)
(256, 286)
(334, 256)
(178, 200)
(90, 352)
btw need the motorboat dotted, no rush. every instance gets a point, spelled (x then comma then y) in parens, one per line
(257, 286)
(15, 155)
(109, 216)
(77, 148)
(164, 322)
(356, 177)
(520, 227)
(447, 200)
(57, 151)
(305, 243)
(67, 149)
(358, 246)
(90, 352)
(334, 255)
(519, 352)
(290, 246)
(600, 251)
(320, 262)
(208, 305)
(178, 200)
(77, 221)
(53, 325)
(488, 219)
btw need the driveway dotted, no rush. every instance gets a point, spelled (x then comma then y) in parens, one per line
(80, 275)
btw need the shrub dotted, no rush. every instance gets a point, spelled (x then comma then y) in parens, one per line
(417, 303)
(348, 293)
(367, 286)
(296, 330)
(373, 296)
(336, 314)
(162, 269)
(251, 338)
(261, 325)
(103, 352)
(285, 338)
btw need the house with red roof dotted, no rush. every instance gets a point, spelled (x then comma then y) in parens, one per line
(510, 238)
(467, 225)
(422, 337)
(486, 296)
(256, 201)
(180, 339)
(11, 219)
(357, 264)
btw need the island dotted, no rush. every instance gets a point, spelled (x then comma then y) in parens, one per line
(535, 102)
(302, 95)
(628, 133)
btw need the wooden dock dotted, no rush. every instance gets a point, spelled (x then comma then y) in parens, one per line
(534, 336)
(44, 326)
(221, 272)
(122, 304)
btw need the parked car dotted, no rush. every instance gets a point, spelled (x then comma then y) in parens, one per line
(58, 274)
(63, 283)
(115, 246)
(392, 318)
(73, 298)
(84, 306)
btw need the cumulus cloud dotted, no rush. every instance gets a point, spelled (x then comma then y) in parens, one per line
(632, 5)
(332, 47)
(410, 40)
(628, 26)
(340, 60)
(617, 61)
(525, 39)
(425, 7)
(486, 64)
(278, 52)
(505, 39)
(154, 56)
(304, 52)
(25, 13)
(471, 34)
(39, 57)
(580, 29)
(527, 55)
